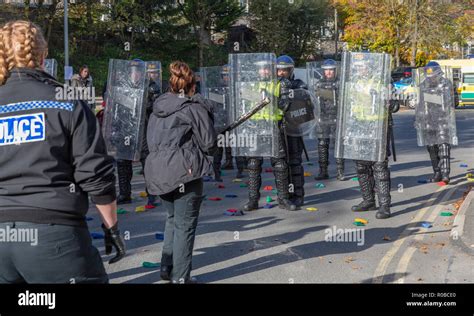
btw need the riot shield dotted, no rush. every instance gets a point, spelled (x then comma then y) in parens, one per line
(362, 120)
(51, 67)
(302, 114)
(326, 90)
(252, 79)
(124, 117)
(435, 116)
(215, 87)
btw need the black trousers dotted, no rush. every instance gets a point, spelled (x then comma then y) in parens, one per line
(296, 172)
(182, 206)
(62, 254)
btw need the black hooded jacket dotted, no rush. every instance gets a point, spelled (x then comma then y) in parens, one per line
(52, 154)
(180, 137)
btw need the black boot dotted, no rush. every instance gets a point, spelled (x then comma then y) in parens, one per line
(296, 170)
(366, 183)
(297, 178)
(255, 182)
(125, 173)
(445, 164)
(280, 170)
(124, 199)
(165, 272)
(251, 205)
(323, 174)
(240, 162)
(228, 159)
(217, 176)
(435, 162)
(340, 169)
(323, 152)
(382, 183)
(383, 212)
(216, 165)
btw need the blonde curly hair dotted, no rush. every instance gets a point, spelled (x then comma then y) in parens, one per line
(22, 44)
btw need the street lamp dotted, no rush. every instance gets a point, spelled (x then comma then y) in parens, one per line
(67, 69)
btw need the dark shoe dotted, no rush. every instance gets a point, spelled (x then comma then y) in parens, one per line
(364, 206)
(250, 206)
(165, 272)
(217, 178)
(122, 199)
(383, 212)
(340, 169)
(436, 177)
(298, 201)
(340, 176)
(445, 178)
(286, 205)
(323, 174)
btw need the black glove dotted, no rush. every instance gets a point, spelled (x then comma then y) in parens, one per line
(112, 238)
(284, 100)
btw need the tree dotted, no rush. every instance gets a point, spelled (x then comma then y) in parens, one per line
(414, 31)
(207, 17)
(291, 27)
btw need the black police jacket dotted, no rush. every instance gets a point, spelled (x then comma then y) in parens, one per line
(52, 154)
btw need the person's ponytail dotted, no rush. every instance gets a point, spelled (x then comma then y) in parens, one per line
(182, 78)
(22, 45)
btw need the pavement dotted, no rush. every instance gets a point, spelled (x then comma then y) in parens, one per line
(324, 245)
(462, 233)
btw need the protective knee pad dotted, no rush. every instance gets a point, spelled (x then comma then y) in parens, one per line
(363, 167)
(255, 163)
(279, 164)
(381, 171)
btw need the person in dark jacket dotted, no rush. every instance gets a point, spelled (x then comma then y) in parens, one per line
(53, 160)
(180, 137)
(83, 81)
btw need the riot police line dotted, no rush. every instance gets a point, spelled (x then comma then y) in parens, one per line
(174, 134)
(350, 104)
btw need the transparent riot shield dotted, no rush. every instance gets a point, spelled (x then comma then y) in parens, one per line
(362, 119)
(302, 114)
(252, 79)
(215, 87)
(435, 116)
(51, 67)
(124, 117)
(325, 86)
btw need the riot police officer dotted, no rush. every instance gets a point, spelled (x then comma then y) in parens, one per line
(221, 118)
(363, 121)
(124, 166)
(435, 120)
(327, 128)
(375, 176)
(295, 144)
(280, 90)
